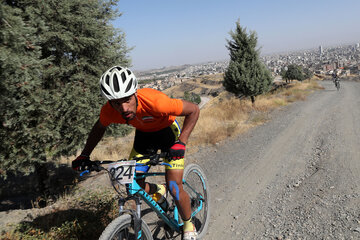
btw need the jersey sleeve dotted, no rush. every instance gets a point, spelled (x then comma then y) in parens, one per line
(169, 106)
(105, 115)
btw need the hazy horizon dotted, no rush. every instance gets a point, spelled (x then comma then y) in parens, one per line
(165, 33)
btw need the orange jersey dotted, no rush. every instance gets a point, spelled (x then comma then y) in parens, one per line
(154, 112)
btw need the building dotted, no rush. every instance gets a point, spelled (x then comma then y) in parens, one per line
(321, 50)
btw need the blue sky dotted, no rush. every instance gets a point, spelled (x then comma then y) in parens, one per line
(174, 32)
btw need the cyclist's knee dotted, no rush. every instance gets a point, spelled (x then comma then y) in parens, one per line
(175, 189)
(141, 183)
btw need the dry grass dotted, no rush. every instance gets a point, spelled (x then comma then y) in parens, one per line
(227, 116)
(221, 120)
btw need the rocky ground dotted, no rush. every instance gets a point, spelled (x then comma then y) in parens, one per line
(295, 177)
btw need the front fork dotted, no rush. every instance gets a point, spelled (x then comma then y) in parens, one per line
(136, 215)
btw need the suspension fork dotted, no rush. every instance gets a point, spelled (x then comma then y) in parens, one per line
(136, 215)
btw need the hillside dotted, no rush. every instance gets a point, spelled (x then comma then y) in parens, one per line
(209, 85)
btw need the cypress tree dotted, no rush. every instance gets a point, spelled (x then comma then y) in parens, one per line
(52, 55)
(246, 74)
(20, 86)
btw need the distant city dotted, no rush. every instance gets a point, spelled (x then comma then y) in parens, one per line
(344, 59)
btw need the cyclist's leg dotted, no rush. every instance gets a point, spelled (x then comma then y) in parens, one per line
(148, 187)
(174, 184)
(174, 177)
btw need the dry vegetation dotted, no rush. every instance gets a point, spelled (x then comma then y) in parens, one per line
(227, 116)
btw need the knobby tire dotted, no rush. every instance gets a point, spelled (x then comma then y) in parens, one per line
(196, 180)
(124, 225)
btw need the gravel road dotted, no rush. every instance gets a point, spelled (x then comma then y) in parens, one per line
(295, 177)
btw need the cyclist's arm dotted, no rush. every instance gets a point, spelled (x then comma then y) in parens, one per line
(191, 112)
(95, 135)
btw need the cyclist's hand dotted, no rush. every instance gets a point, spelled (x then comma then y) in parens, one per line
(81, 163)
(177, 151)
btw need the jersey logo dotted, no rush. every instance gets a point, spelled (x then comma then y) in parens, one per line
(148, 118)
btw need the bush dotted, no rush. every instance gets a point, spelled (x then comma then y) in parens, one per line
(192, 97)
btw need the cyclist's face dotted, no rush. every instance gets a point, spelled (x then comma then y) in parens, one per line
(125, 106)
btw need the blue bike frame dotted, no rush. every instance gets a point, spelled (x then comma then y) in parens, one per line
(134, 188)
(174, 222)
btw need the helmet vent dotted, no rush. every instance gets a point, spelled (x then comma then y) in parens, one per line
(123, 77)
(116, 83)
(129, 85)
(104, 90)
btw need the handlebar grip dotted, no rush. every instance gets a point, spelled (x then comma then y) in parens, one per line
(166, 164)
(82, 173)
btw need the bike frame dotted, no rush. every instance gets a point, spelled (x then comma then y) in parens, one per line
(134, 190)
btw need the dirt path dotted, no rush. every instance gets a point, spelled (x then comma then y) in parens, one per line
(296, 177)
(204, 101)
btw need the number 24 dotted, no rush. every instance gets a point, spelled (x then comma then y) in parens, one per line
(128, 172)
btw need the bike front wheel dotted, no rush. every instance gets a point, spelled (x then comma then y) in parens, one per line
(122, 228)
(196, 185)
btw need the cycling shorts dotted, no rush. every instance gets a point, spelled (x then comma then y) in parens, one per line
(148, 142)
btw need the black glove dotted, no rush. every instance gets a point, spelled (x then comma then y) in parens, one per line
(81, 163)
(177, 151)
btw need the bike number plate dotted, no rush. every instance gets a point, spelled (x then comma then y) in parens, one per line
(122, 172)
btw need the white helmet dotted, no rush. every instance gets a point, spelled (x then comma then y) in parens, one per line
(118, 82)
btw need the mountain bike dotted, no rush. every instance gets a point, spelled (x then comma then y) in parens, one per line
(129, 224)
(337, 83)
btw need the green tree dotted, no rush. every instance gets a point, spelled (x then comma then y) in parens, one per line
(294, 72)
(307, 73)
(283, 72)
(52, 54)
(246, 74)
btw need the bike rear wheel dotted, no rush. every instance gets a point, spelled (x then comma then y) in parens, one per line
(122, 228)
(196, 185)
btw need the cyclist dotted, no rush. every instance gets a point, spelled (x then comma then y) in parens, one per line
(336, 79)
(153, 114)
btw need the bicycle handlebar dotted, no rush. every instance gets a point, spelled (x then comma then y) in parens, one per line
(154, 160)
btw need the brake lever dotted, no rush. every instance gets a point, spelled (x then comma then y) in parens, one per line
(154, 160)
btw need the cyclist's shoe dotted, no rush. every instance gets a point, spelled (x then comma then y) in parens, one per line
(190, 235)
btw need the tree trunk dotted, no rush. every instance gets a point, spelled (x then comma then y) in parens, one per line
(42, 186)
(252, 100)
